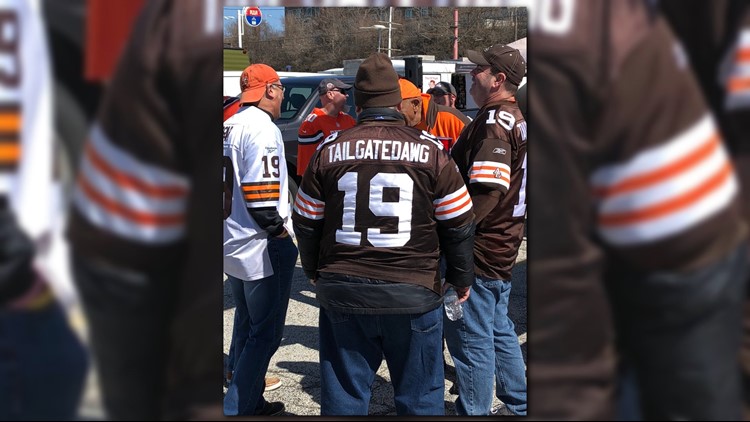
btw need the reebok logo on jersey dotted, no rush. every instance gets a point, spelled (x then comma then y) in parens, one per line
(270, 150)
(499, 151)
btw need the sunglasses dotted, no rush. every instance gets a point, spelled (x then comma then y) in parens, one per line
(281, 87)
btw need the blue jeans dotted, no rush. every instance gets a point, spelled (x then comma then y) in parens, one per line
(261, 313)
(351, 351)
(485, 350)
(43, 365)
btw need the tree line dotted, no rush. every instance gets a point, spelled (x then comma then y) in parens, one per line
(322, 38)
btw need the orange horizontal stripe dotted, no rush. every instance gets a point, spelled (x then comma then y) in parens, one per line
(458, 198)
(304, 201)
(738, 84)
(664, 173)
(743, 55)
(299, 206)
(129, 182)
(269, 186)
(139, 217)
(671, 206)
(10, 152)
(10, 122)
(482, 176)
(249, 196)
(454, 209)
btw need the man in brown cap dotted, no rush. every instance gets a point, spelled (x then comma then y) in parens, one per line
(491, 157)
(376, 205)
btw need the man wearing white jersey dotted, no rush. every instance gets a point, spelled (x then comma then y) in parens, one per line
(259, 254)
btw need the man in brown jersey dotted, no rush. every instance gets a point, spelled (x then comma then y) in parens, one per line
(638, 241)
(365, 239)
(491, 157)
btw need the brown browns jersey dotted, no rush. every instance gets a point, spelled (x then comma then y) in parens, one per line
(380, 193)
(140, 196)
(491, 156)
(630, 174)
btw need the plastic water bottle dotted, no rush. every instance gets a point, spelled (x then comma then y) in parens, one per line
(452, 308)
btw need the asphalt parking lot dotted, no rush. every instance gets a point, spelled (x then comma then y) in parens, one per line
(296, 361)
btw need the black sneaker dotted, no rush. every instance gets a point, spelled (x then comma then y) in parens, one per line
(501, 410)
(272, 409)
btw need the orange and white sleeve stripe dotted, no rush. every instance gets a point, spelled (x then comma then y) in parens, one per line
(308, 207)
(665, 190)
(261, 194)
(738, 82)
(121, 194)
(10, 146)
(453, 205)
(490, 172)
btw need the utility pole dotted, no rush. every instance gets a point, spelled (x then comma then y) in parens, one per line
(240, 31)
(390, 22)
(455, 34)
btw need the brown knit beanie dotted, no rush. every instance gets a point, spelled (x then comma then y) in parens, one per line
(376, 84)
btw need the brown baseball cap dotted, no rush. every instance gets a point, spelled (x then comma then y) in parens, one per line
(502, 58)
(253, 82)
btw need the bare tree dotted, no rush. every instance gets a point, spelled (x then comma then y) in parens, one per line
(320, 41)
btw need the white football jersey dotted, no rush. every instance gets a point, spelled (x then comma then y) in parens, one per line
(254, 161)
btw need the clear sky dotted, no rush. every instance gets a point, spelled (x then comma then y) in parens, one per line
(273, 15)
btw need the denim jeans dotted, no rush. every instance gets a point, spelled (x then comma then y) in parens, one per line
(352, 347)
(261, 313)
(43, 365)
(485, 351)
(681, 332)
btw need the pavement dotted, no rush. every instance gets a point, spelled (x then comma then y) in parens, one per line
(297, 364)
(296, 361)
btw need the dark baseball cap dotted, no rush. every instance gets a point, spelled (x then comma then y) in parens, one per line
(330, 84)
(502, 58)
(442, 88)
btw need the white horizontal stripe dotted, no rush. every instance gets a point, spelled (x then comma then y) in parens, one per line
(6, 182)
(457, 212)
(130, 198)
(317, 204)
(272, 203)
(126, 163)
(668, 189)
(744, 38)
(491, 164)
(737, 100)
(302, 209)
(652, 159)
(448, 197)
(740, 70)
(123, 227)
(311, 139)
(667, 225)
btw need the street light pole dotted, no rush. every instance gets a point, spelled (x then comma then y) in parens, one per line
(379, 28)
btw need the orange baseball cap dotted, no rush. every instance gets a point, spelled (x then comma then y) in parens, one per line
(408, 89)
(253, 82)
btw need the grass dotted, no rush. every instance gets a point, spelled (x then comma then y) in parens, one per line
(235, 60)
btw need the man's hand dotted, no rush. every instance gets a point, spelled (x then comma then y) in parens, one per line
(462, 293)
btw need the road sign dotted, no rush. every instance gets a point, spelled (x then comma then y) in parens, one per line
(253, 16)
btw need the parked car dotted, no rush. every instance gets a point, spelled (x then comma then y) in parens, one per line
(300, 97)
